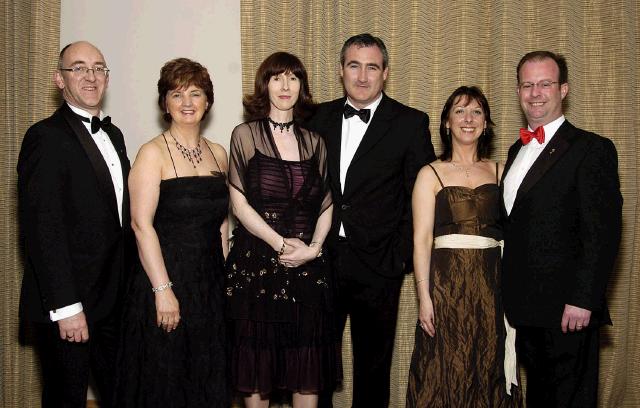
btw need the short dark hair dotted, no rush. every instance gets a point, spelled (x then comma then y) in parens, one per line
(61, 55)
(181, 73)
(470, 93)
(365, 40)
(257, 104)
(559, 59)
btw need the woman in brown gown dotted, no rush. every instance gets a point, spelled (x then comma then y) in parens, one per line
(458, 357)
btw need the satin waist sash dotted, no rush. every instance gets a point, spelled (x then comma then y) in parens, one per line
(464, 241)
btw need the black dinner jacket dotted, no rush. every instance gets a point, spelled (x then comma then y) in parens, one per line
(562, 235)
(74, 245)
(376, 205)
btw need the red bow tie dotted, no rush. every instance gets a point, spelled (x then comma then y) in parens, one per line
(526, 135)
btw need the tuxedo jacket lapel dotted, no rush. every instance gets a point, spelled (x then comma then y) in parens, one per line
(334, 142)
(95, 157)
(378, 127)
(380, 124)
(549, 156)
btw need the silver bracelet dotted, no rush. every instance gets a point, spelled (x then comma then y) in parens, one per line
(314, 243)
(163, 287)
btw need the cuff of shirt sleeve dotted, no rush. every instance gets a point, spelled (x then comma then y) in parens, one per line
(64, 312)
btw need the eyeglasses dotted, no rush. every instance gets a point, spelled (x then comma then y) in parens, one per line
(81, 70)
(527, 86)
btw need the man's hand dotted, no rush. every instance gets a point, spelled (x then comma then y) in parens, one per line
(74, 328)
(574, 318)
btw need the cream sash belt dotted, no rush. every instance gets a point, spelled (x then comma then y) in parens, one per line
(478, 242)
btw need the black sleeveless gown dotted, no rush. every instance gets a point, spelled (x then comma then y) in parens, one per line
(187, 367)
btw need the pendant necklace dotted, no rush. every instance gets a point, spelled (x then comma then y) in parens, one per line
(281, 125)
(467, 170)
(193, 155)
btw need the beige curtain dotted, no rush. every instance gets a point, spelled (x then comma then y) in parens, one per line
(28, 57)
(437, 45)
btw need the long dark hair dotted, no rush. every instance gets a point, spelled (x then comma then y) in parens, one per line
(469, 93)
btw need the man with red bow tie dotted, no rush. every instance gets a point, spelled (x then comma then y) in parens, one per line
(562, 221)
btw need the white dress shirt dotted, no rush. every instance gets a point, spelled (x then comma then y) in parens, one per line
(110, 156)
(353, 130)
(524, 160)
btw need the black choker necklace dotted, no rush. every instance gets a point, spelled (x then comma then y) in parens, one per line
(281, 125)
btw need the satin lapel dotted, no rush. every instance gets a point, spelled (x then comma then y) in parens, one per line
(378, 127)
(334, 142)
(95, 157)
(549, 156)
(118, 143)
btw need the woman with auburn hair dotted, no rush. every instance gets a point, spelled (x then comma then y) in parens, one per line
(173, 336)
(278, 286)
(459, 354)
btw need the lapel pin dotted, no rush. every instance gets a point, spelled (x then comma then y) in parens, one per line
(551, 151)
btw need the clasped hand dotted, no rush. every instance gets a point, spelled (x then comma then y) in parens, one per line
(297, 253)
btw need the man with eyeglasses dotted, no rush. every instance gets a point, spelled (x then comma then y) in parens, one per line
(562, 224)
(74, 216)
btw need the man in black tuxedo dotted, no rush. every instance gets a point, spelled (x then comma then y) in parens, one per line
(375, 148)
(74, 217)
(563, 210)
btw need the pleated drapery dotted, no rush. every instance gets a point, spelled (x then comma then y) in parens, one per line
(30, 33)
(434, 47)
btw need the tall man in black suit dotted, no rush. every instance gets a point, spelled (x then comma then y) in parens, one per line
(562, 227)
(73, 209)
(375, 148)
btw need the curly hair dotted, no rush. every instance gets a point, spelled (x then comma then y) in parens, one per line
(181, 73)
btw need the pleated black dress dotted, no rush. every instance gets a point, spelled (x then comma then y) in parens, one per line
(186, 367)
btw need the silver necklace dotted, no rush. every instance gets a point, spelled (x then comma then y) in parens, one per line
(193, 155)
(466, 169)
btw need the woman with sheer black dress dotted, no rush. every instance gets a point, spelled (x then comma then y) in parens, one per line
(173, 351)
(278, 283)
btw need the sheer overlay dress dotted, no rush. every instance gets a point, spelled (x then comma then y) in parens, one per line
(281, 329)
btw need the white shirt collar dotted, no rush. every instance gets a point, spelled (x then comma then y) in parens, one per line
(83, 112)
(550, 130)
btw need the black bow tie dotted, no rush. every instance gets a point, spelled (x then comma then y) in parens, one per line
(363, 114)
(96, 123)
